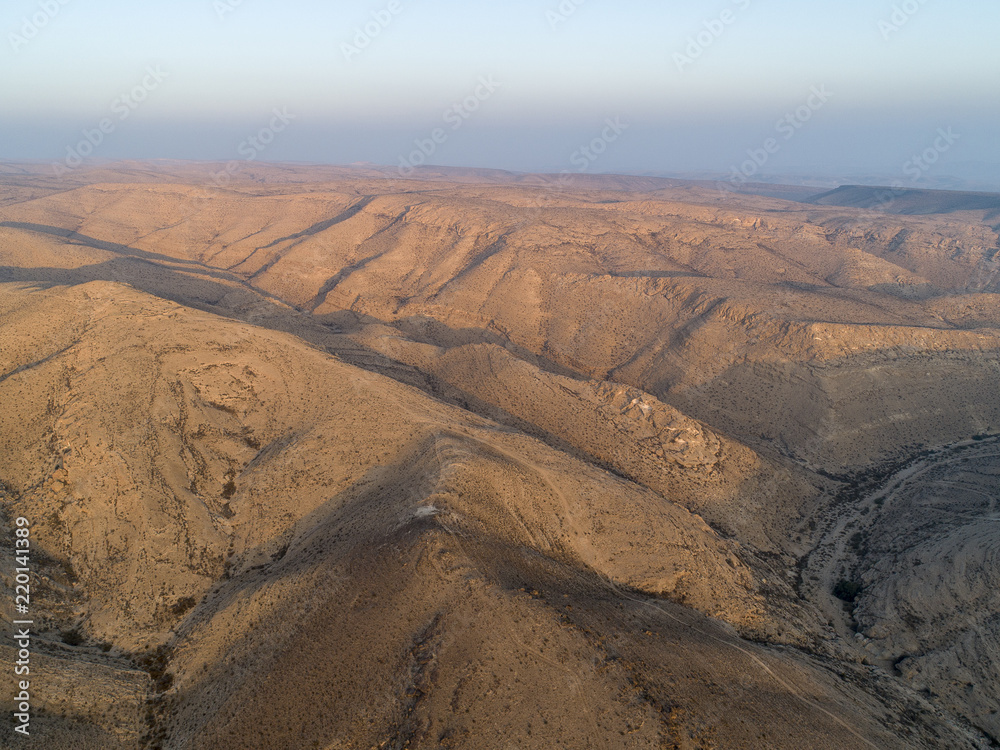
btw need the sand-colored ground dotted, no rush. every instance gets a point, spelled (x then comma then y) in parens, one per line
(484, 460)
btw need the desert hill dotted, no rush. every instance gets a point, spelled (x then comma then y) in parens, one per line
(500, 459)
(910, 200)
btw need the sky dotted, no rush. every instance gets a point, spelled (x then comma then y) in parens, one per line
(901, 90)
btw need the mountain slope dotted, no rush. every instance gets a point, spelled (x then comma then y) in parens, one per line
(484, 459)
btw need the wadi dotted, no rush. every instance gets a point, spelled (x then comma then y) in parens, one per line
(361, 457)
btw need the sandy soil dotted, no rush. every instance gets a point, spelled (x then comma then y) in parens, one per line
(477, 460)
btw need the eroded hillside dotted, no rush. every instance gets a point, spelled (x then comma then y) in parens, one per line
(498, 459)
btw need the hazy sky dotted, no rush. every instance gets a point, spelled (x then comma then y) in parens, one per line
(868, 84)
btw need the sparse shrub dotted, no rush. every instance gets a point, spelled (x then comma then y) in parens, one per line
(857, 541)
(72, 637)
(155, 662)
(164, 681)
(183, 605)
(847, 591)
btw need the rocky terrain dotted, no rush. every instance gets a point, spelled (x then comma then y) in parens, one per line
(478, 459)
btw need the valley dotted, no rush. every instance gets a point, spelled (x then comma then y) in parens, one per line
(482, 459)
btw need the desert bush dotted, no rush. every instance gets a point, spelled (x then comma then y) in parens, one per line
(847, 591)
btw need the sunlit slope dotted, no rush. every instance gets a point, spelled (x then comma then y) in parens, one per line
(682, 293)
(502, 421)
(277, 524)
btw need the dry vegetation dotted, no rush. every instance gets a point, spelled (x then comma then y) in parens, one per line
(330, 459)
